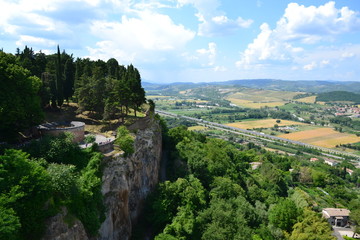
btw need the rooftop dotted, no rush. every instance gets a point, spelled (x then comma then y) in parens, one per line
(336, 212)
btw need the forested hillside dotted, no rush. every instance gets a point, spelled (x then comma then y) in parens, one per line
(338, 96)
(33, 82)
(213, 193)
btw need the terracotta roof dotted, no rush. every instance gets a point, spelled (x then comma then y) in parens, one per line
(336, 212)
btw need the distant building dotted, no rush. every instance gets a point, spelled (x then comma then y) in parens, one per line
(314, 159)
(337, 217)
(331, 162)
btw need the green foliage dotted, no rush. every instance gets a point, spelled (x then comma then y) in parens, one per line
(19, 101)
(87, 203)
(355, 218)
(284, 215)
(312, 227)
(63, 180)
(90, 138)
(24, 189)
(227, 219)
(338, 96)
(9, 224)
(60, 149)
(125, 140)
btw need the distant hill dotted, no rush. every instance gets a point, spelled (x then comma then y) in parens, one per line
(312, 86)
(338, 96)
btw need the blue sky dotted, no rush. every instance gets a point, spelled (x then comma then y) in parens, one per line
(196, 40)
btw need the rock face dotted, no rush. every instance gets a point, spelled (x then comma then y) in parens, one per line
(126, 184)
(128, 181)
(58, 229)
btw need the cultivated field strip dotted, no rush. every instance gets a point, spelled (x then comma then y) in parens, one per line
(262, 136)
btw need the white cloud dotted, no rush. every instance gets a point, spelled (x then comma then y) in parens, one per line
(209, 53)
(266, 47)
(34, 41)
(312, 24)
(212, 21)
(311, 66)
(299, 25)
(139, 37)
(221, 25)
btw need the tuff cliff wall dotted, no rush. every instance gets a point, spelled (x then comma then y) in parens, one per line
(128, 181)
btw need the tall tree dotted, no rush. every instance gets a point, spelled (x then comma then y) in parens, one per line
(19, 100)
(59, 80)
(69, 74)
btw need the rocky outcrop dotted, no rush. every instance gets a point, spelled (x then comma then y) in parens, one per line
(126, 184)
(57, 228)
(128, 181)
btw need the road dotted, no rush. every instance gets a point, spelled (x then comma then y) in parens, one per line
(266, 137)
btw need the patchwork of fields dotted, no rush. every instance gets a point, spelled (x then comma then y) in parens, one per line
(263, 123)
(255, 98)
(323, 137)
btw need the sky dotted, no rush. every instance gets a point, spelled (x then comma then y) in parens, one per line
(195, 40)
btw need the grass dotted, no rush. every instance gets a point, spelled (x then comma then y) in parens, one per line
(323, 137)
(263, 123)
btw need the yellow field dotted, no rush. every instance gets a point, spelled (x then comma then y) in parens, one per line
(251, 104)
(323, 137)
(310, 99)
(256, 98)
(156, 96)
(197, 128)
(264, 123)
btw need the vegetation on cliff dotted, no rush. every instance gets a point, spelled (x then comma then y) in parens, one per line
(51, 173)
(213, 193)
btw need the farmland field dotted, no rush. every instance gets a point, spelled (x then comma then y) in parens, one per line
(323, 137)
(310, 99)
(263, 123)
(250, 104)
(156, 96)
(197, 128)
(255, 98)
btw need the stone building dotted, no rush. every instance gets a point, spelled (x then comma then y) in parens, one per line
(338, 217)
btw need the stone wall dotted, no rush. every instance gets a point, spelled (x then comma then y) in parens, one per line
(53, 129)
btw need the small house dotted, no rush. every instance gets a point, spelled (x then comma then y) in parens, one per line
(331, 162)
(338, 217)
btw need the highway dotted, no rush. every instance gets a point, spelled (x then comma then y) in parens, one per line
(266, 137)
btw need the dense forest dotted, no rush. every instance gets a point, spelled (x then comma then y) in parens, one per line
(214, 193)
(338, 96)
(33, 82)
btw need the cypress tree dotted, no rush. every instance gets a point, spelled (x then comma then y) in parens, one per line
(59, 80)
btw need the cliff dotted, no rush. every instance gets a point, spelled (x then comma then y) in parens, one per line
(126, 183)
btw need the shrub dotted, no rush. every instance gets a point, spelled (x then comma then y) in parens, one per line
(125, 141)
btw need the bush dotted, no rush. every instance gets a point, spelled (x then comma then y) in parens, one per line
(125, 141)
